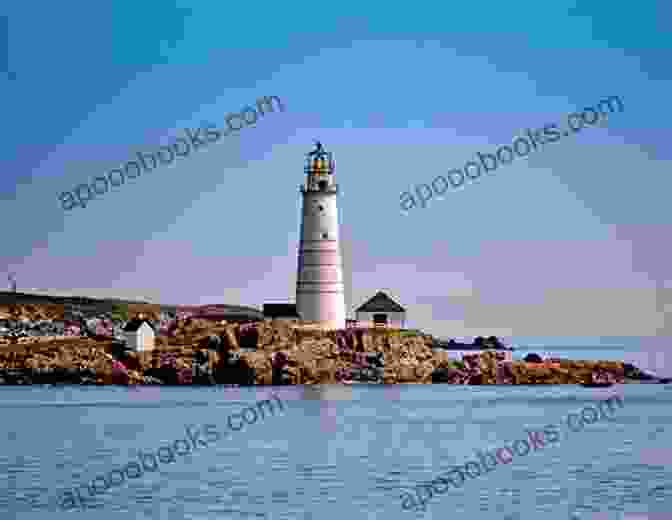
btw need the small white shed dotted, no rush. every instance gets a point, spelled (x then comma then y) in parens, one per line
(139, 334)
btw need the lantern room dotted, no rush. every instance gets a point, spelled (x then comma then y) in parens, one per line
(319, 168)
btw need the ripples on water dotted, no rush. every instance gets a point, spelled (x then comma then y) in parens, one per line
(336, 452)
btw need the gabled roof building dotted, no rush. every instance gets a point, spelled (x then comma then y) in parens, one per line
(381, 311)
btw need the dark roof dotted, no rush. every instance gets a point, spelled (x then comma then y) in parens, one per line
(280, 310)
(380, 302)
(136, 323)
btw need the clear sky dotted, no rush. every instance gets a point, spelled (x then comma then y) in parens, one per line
(573, 240)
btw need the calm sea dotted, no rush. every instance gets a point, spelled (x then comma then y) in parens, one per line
(337, 452)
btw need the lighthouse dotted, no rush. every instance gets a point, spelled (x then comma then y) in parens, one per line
(319, 284)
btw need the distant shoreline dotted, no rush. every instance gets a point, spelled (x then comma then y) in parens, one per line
(473, 347)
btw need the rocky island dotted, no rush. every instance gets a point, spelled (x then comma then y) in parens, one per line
(245, 351)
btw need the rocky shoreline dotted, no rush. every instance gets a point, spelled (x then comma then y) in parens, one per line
(199, 352)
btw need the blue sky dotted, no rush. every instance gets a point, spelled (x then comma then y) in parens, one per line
(573, 240)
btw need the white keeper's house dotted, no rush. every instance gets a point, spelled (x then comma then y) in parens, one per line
(381, 311)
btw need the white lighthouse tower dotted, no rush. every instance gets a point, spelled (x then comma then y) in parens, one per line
(319, 285)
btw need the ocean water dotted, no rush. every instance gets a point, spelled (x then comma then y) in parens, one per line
(337, 452)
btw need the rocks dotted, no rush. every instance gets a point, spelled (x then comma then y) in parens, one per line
(491, 367)
(504, 373)
(231, 340)
(214, 343)
(289, 353)
(17, 376)
(47, 376)
(166, 375)
(120, 374)
(249, 336)
(632, 374)
(451, 375)
(444, 375)
(601, 376)
(163, 366)
(475, 369)
(366, 367)
(234, 370)
(280, 364)
(279, 359)
(184, 376)
(232, 358)
(367, 375)
(202, 368)
(566, 372)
